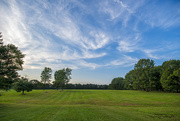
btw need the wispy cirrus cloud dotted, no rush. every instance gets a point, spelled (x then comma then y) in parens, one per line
(124, 6)
(129, 43)
(124, 61)
(91, 34)
(159, 16)
(71, 43)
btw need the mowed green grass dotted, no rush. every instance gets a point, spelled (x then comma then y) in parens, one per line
(89, 105)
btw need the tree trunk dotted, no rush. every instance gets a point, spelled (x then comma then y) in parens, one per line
(23, 92)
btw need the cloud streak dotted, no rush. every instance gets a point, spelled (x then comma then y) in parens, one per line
(96, 34)
(71, 44)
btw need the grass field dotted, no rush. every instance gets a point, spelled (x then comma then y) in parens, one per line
(89, 105)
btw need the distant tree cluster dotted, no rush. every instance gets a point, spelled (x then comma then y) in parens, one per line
(146, 76)
(86, 86)
(40, 85)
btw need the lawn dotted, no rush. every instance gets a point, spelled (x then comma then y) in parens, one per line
(89, 105)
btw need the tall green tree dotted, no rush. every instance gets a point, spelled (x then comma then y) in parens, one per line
(46, 76)
(11, 60)
(23, 85)
(142, 74)
(62, 77)
(167, 78)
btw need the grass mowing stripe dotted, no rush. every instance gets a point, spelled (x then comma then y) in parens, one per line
(64, 103)
(39, 98)
(96, 105)
(51, 98)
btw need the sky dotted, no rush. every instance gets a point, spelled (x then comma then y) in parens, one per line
(98, 39)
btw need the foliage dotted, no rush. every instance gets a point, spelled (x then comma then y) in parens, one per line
(155, 76)
(174, 81)
(117, 83)
(129, 77)
(23, 85)
(39, 85)
(11, 60)
(146, 76)
(168, 79)
(86, 86)
(142, 74)
(62, 77)
(46, 75)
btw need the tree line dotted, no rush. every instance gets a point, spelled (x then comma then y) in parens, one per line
(147, 76)
(39, 85)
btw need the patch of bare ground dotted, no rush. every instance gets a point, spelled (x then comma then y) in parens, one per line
(157, 102)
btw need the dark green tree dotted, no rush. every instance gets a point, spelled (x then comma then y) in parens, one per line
(155, 76)
(167, 78)
(46, 76)
(117, 83)
(129, 79)
(142, 74)
(62, 77)
(23, 85)
(11, 60)
(173, 81)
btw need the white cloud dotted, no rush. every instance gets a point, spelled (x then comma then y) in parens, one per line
(114, 10)
(150, 53)
(124, 61)
(31, 32)
(163, 16)
(121, 11)
(13, 26)
(129, 44)
(100, 40)
(51, 34)
(83, 63)
(124, 6)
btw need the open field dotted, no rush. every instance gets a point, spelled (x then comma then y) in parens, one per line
(89, 105)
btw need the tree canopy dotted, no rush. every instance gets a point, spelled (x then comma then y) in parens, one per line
(46, 75)
(146, 76)
(23, 85)
(117, 83)
(62, 78)
(169, 79)
(11, 60)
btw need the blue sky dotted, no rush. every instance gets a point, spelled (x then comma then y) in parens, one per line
(98, 39)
